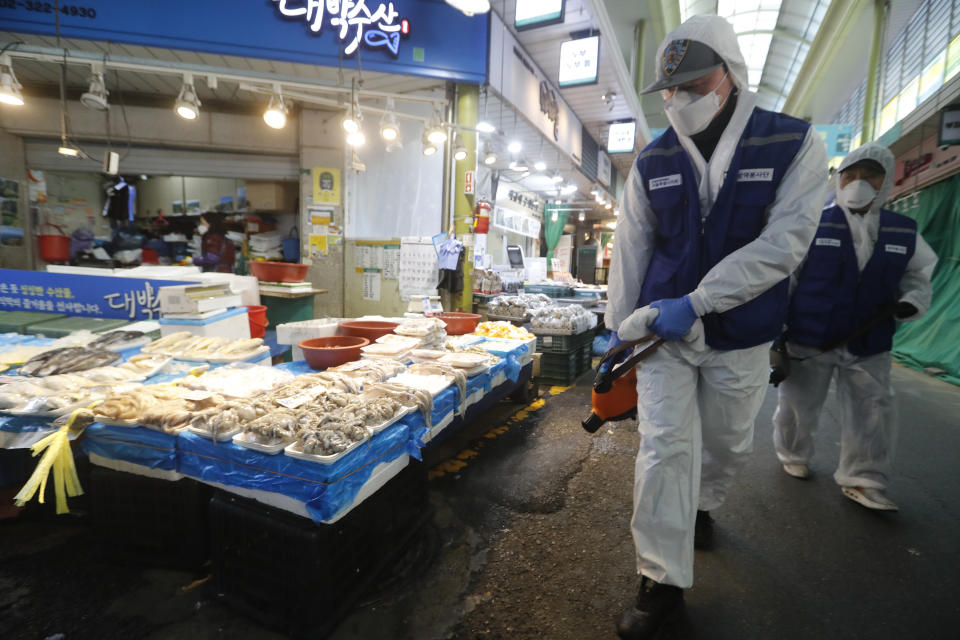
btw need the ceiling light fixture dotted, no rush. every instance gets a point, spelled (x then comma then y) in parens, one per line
(187, 105)
(568, 189)
(489, 157)
(389, 129)
(67, 149)
(276, 114)
(460, 152)
(96, 97)
(556, 178)
(582, 216)
(435, 132)
(428, 147)
(514, 146)
(9, 85)
(540, 165)
(485, 127)
(356, 138)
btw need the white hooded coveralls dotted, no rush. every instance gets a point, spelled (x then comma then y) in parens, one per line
(698, 399)
(868, 416)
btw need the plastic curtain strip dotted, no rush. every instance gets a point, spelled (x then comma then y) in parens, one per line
(553, 229)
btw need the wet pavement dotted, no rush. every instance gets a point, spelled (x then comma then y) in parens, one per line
(529, 538)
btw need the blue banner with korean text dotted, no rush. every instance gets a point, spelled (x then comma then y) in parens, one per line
(417, 37)
(81, 295)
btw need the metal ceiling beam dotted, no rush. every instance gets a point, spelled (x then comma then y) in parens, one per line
(779, 33)
(624, 80)
(880, 14)
(834, 30)
(170, 68)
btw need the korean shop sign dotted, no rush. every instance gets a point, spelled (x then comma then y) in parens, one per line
(81, 295)
(416, 37)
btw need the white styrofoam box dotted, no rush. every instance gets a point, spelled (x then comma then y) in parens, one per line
(160, 272)
(293, 332)
(84, 271)
(246, 286)
(177, 299)
(232, 324)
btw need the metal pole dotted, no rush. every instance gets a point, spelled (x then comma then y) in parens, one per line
(447, 178)
(873, 71)
(468, 99)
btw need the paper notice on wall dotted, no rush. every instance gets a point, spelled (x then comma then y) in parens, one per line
(371, 285)
(318, 229)
(418, 267)
(391, 261)
(369, 255)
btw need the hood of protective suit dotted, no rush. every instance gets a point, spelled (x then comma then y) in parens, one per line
(716, 33)
(880, 154)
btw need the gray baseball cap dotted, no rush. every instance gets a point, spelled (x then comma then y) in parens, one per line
(682, 62)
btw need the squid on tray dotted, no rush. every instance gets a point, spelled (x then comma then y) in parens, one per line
(407, 396)
(436, 369)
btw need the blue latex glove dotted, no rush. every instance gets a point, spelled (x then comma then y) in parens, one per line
(614, 342)
(675, 318)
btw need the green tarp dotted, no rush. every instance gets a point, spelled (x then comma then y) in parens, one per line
(553, 228)
(934, 340)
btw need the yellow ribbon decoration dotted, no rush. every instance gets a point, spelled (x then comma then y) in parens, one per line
(58, 456)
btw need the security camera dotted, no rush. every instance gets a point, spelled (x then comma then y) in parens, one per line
(943, 147)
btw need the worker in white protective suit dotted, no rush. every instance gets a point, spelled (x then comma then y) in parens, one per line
(717, 213)
(867, 267)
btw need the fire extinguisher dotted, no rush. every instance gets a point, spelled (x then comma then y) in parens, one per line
(481, 218)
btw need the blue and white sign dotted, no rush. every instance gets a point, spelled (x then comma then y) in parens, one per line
(416, 37)
(81, 295)
(836, 137)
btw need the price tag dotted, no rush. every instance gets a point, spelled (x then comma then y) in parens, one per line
(294, 401)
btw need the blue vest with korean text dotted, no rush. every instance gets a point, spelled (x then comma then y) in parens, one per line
(687, 245)
(833, 297)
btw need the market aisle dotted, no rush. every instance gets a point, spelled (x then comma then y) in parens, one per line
(794, 559)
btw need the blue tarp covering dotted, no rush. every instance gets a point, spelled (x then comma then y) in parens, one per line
(326, 489)
(139, 445)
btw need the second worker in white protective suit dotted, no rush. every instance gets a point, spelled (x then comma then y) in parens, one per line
(717, 213)
(866, 266)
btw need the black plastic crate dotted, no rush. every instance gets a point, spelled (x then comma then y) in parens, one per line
(303, 578)
(161, 522)
(559, 369)
(564, 344)
(585, 353)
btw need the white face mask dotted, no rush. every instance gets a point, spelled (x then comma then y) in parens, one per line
(690, 113)
(856, 195)
(202, 229)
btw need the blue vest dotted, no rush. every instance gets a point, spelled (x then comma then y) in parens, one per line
(687, 245)
(833, 297)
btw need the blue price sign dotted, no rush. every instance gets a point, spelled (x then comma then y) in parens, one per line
(81, 295)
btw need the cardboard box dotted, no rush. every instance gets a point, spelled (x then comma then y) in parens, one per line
(536, 364)
(273, 196)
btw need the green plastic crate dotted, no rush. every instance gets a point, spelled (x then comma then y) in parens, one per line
(60, 327)
(18, 321)
(563, 344)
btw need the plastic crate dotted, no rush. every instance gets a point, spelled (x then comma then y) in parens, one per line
(563, 344)
(163, 522)
(559, 368)
(550, 290)
(290, 573)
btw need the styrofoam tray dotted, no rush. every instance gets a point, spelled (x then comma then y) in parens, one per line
(150, 372)
(246, 357)
(270, 449)
(380, 427)
(292, 451)
(477, 370)
(220, 437)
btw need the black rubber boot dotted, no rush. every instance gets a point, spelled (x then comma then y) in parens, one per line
(703, 531)
(655, 603)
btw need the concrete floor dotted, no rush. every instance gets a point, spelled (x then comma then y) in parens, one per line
(530, 539)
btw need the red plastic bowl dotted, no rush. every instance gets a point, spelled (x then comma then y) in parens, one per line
(323, 353)
(278, 271)
(459, 323)
(369, 329)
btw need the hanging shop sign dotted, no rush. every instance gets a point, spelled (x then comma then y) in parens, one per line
(81, 295)
(949, 127)
(603, 168)
(416, 37)
(515, 76)
(578, 61)
(621, 137)
(531, 14)
(836, 138)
